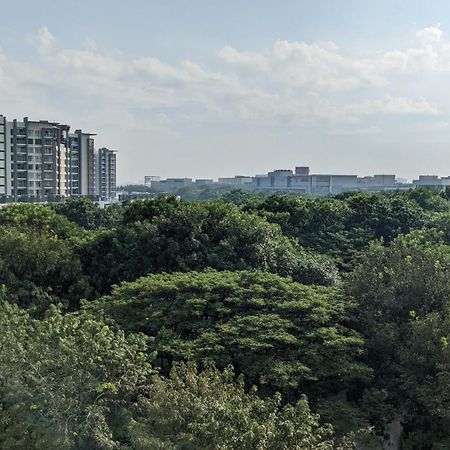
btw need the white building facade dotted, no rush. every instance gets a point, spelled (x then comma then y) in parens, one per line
(106, 184)
(42, 161)
(3, 164)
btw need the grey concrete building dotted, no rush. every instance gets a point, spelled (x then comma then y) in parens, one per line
(37, 159)
(204, 182)
(82, 164)
(170, 184)
(303, 181)
(106, 174)
(238, 181)
(149, 179)
(3, 151)
(432, 181)
(42, 160)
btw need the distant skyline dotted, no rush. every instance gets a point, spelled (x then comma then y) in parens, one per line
(208, 89)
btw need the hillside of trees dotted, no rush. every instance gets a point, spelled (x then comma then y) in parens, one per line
(243, 322)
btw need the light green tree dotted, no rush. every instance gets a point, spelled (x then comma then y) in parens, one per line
(66, 382)
(212, 410)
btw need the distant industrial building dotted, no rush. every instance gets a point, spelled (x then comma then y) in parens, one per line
(204, 182)
(432, 181)
(321, 184)
(44, 161)
(171, 184)
(300, 180)
(149, 179)
(238, 181)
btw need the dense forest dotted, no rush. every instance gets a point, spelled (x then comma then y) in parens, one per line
(245, 322)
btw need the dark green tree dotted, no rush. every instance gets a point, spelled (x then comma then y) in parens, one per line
(341, 227)
(403, 293)
(166, 235)
(283, 336)
(87, 214)
(40, 269)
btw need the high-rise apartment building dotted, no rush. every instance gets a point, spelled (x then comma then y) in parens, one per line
(41, 160)
(37, 157)
(106, 171)
(2, 156)
(82, 180)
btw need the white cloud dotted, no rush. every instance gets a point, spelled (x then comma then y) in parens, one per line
(430, 34)
(323, 66)
(355, 131)
(290, 84)
(89, 63)
(287, 87)
(298, 64)
(393, 105)
(43, 40)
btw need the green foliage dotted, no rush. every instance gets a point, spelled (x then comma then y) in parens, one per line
(318, 224)
(38, 218)
(65, 381)
(385, 217)
(87, 214)
(424, 383)
(198, 192)
(404, 293)
(201, 193)
(413, 274)
(73, 382)
(341, 227)
(446, 193)
(281, 335)
(368, 347)
(39, 269)
(429, 199)
(141, 210)
(210, 410)
(237, 197)
(166, 235)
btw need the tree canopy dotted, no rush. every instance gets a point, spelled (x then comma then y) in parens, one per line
(270, 321)
(210, 410)
(168, 236)
(281, 335)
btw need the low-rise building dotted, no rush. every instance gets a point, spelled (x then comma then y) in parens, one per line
(149, 179)
(171, 184)
(300, 180)
(238, 181)
(204, 182)
(432, 181)
(303, 181)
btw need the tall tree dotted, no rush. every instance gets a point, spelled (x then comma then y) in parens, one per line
(66, 382)
(40, 269)
(403, 293)
(167, 235)
(281, 335)
(210, 410)
(87, 214)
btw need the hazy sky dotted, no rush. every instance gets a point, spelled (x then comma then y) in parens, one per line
(208, 88)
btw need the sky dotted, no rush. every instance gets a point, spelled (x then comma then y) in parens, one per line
(208, 88)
